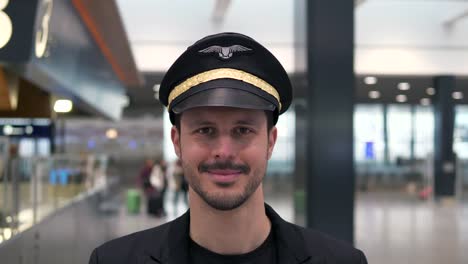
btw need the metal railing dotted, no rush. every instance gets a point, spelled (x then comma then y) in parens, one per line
(33, 188)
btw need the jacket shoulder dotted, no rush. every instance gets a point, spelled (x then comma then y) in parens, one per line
(331, 249)
(129, 248)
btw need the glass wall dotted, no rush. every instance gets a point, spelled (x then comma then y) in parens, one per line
(368, 133)
(399, 131)
(283, 157)
(392, 144)
(460, 140)
(423, 131)
(460, 146)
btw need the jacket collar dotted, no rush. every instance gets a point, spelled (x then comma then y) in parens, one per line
(292, 247)
(290, 242)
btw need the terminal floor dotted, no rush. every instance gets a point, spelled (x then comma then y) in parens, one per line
(397, 228)
(390, 227)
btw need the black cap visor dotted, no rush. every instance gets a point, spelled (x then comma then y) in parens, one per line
(224, 92)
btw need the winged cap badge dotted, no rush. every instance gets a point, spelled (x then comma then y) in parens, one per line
(225, 52)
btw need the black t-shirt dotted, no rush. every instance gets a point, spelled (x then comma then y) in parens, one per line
(264, 254)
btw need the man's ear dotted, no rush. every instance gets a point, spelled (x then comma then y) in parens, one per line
(272, 136)
(175, 137)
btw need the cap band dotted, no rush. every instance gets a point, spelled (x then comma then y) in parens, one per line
(223, 73)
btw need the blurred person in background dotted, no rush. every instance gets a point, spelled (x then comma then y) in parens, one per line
(224, 95)
(158, 182)
(184, 187)
(177, 184)
(143, 177)
(145, 182)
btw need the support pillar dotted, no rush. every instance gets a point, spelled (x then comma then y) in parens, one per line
(325, 39)
(444, 157)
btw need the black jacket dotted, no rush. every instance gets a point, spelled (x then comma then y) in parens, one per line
(168, 244)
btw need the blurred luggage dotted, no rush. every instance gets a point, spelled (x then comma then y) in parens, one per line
(133, 201)
(425, 193)
(155, 204)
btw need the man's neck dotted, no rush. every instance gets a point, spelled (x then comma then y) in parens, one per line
(231, 232)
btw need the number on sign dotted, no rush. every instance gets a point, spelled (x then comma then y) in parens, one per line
(6, 27)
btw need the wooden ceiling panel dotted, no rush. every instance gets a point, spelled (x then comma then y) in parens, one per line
(104, 23)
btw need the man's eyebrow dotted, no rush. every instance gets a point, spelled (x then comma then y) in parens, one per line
(247, 121)
(199, 122)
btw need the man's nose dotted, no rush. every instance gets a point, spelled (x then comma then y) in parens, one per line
(224, 148)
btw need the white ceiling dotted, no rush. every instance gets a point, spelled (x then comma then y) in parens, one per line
(410, 37)
(391, 36)
(161, 30)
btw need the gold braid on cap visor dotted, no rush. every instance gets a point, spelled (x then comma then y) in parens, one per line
(223, 73)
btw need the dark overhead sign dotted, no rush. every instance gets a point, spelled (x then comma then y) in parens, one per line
(19, 127)
(47, 43)
(16, 29)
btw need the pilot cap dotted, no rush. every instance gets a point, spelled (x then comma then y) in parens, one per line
(226, 69)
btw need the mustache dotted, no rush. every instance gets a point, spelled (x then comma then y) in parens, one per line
(226, 165)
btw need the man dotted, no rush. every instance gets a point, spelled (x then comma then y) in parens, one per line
(224, 95)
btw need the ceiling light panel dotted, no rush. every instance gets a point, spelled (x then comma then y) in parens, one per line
(401, 98)
(404, 86)
(374, 94)
(370, 80)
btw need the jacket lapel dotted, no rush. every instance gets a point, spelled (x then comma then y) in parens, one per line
(178, 241)
(291, 244)
(176, 249)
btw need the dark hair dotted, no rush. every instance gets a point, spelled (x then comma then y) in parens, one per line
(269, 116)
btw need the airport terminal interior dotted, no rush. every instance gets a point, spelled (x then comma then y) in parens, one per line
(80, 121)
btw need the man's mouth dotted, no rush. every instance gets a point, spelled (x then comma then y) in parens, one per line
(224, 172)
(224, 176)
(224, 168)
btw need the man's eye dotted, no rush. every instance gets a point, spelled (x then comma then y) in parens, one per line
(243, 130)
(205, 131)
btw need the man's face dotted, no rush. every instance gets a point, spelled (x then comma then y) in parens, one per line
(224, 153)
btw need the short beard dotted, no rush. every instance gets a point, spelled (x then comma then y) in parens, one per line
(219, 201)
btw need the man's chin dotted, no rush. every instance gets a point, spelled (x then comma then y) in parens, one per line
(224, 202)
(224, 184)
(224, 205)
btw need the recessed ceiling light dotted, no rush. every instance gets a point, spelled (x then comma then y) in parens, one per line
(404, 86)
(430, 91)
(425, 101)
(457, 95)
(370, 80)
(63, 106)
(7, 130)
(374, 94)
(29, 130)
(401, 98)
(7, 233)
(112, 133)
